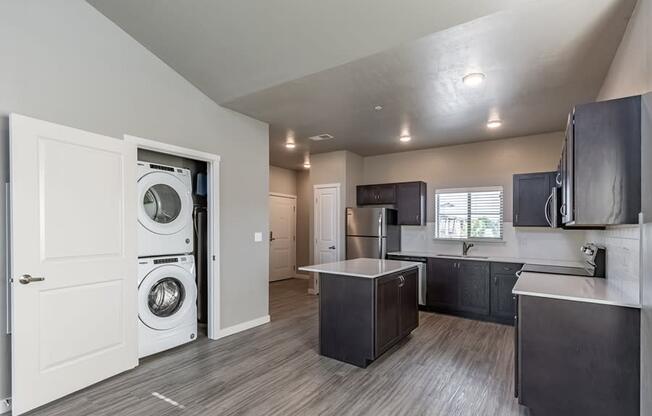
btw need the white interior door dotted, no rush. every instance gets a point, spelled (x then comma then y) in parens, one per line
(327, 208)
(282, 224)
(73, 229)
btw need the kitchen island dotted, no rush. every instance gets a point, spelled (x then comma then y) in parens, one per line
(366, 306)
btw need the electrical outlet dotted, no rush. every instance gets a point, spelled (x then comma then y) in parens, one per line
(258, 237)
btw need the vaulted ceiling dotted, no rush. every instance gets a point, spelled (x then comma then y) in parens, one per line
(321, 67)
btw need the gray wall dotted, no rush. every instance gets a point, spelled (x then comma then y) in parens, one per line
(486, 163)
(63, 61)
(283, 181)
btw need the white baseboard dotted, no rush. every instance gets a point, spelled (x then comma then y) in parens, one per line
(5, 405)
(225, 332)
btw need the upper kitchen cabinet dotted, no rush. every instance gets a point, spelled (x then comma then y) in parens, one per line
(601, 164)
(411, 203)
(409, 199)
(531, 197)
(383, 194)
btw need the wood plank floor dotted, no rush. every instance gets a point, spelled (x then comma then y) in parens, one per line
(448, 366)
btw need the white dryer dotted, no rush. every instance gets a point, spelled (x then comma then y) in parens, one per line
(164, 210)
(167, 303)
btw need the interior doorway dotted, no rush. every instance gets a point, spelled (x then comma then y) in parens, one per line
(327, 245)
(205, 210)
(282, 236)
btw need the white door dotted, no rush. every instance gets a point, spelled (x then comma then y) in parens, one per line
(327, 209)
(282, 224)
(73, 230)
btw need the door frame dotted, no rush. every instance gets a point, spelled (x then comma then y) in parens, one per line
(213, 207)
(294, 240)
(338, 219)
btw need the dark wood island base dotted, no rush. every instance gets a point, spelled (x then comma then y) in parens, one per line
(361, 318)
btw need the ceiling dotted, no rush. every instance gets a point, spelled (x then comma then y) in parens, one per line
(321, 67)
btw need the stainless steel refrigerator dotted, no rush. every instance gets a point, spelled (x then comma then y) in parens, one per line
(371, 232)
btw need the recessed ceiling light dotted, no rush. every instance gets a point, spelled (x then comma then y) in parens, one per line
(290, 145)
(405, 138)
(474, 79)
(306, 165)
(494, 124)
(378, 107)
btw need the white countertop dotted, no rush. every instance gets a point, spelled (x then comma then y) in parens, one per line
(576, 288)
(369, 268)
(546, 262)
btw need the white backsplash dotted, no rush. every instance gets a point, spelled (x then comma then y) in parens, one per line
(623, 244)
(531, 243)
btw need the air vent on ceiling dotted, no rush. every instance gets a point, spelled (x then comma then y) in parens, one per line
(321, 137)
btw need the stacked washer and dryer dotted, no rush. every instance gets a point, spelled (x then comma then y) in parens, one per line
(167, 290)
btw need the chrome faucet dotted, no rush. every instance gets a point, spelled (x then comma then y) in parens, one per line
(465, 247)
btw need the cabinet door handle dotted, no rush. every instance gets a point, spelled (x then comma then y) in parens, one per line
(495, 280)
(401, 281)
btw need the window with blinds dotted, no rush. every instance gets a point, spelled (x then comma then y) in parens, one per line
(469, 214)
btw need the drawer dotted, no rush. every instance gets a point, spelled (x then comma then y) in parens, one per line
(505, 268)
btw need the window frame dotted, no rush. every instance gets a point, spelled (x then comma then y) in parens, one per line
(469, 191)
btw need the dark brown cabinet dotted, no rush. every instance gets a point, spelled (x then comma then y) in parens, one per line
(601, 164)
(472, 288)
(577, 358)
(530, 196)
(442, 284)
(409, 199)
(411, 203)
(503, 279)
(361, 318)
(384, 194)
(388, 312)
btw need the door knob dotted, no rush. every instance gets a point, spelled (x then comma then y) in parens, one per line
(27, 279)
(331, 248)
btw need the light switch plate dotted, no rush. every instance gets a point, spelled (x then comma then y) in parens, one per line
(258, 237)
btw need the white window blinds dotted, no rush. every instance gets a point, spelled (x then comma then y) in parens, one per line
(469, 213)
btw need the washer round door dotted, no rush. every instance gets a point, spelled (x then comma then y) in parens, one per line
(165, 296)
(165, 205)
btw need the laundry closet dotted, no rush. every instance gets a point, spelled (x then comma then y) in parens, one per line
(172, 251)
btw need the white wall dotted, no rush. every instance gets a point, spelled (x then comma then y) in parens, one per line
(63, 61)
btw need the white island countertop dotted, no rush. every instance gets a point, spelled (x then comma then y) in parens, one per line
(368, 268)
(577, 288)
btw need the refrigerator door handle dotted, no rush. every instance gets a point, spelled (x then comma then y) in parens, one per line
(380, 236)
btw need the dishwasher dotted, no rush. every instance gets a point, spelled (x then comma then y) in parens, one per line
(423, 268)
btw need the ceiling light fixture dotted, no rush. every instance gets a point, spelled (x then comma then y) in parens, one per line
(494, 124)
(378, 107)
(474, 79)
(405, 138)
(306, 165)
(290, 145)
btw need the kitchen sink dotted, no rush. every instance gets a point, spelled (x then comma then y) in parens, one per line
(458, 256)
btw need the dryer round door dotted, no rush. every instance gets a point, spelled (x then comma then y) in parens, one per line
(165, 205)
(166, 296)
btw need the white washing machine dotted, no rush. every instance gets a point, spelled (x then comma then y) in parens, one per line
(164, 210)
(167, 303)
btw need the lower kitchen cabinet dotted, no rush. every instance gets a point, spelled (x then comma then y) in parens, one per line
(503, 279)
(471, 288)
(442, 284)
(577, 358)
(474, 296)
